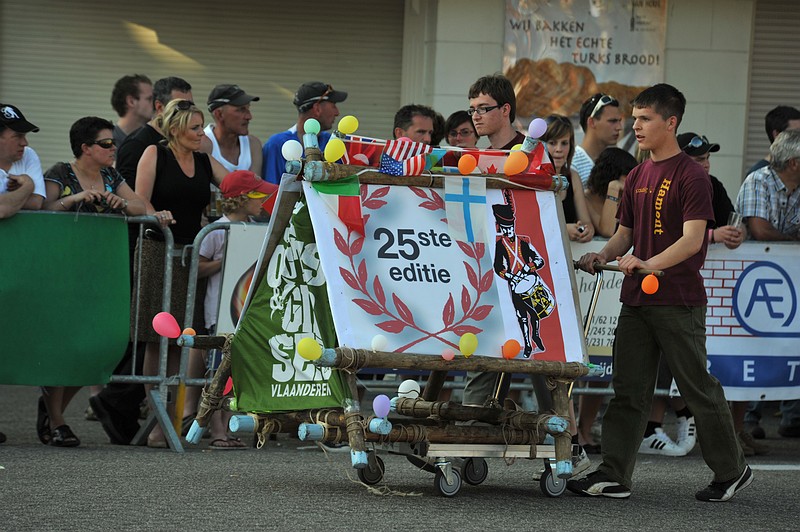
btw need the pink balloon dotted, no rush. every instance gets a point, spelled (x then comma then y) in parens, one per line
(165, 324)
(404, 139)
(381, 405)
(448, 354)
(537, 128)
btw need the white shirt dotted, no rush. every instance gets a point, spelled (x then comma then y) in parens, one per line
(30, 165)
(245, 159)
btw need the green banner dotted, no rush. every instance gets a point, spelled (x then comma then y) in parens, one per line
(289, 304)
(64, 298)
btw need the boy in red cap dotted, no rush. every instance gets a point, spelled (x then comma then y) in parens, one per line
(244, 194)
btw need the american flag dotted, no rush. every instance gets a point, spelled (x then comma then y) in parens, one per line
(404, 158)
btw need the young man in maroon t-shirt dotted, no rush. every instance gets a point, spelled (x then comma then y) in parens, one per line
(664, 212)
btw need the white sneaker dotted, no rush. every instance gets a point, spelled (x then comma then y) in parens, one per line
(660, 443)
(687, 434)
(580, 460)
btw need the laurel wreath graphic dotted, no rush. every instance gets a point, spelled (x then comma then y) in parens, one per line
(376, 301)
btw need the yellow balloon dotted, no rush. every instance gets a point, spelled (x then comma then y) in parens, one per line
(516, 162)
(309, 349)
(468, 344)
(334, 150)
(516, 147)
(348, 124)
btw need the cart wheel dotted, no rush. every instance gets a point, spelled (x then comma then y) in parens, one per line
(475, 470)
(551, 485)
(445, 489)
(373, 473)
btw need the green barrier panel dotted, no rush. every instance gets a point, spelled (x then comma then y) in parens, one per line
(64, 298)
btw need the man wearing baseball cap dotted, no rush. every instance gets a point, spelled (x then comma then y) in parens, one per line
(313, 99)
(228, 139)
(19, 164)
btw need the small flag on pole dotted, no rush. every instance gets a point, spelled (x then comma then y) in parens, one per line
(343, 198)
(401, 157)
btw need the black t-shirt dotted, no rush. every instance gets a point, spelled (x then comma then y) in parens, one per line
(131, 151)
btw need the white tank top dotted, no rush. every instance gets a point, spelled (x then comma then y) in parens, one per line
(244, 161)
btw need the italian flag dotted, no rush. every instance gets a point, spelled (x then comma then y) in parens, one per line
(343, 197)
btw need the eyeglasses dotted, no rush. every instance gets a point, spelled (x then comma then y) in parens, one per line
(482, 110)
(696, 142)
(460, 133)
(104, 143)
(604, 100)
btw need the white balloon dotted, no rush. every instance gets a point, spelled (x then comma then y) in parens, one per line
(292, 150)
(408, 388)
(536, 128)
(379, 342)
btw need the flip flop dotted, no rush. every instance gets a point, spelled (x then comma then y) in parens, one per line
(43, 422)
(227, 444)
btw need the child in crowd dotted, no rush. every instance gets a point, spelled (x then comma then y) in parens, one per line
(243, 195)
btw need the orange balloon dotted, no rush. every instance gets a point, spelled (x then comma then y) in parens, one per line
(467, 163)
(511, 349)
(517, 162)
(189, 331)
(650, 284)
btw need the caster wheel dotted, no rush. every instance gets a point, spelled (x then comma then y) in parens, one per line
(551, 485)
(373, 473)
(474, 470)
(445, 489)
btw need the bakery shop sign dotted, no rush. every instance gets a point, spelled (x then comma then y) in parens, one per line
(559, 53)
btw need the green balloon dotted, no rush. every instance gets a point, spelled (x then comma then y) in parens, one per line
(311, 126)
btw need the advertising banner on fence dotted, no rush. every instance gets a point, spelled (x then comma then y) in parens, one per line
(752, 323)
(558, 54)
(409, 281)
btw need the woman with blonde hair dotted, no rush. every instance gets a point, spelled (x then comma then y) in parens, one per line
(175, 177)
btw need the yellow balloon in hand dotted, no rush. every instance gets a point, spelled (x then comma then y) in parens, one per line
(309, 349)
(468, 344)
(348, 125)
(334, 150)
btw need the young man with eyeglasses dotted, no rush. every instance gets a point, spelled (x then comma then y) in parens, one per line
(228, 139)
(663, 214)
(19, 164)
(313, 99)
(493, 108)
(601, 120)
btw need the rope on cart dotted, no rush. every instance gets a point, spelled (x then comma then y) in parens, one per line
(351, 360)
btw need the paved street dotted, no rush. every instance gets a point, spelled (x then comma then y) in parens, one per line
(99, 486)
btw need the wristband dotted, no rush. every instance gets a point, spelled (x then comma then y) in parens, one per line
(61, 202)
(612, 198)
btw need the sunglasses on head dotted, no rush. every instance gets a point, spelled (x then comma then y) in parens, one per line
(184, 105)
(696, 142)
(104, 143)
(604, 100)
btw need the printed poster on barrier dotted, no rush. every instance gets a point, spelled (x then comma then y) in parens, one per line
(407, 279)
(242, 251)
(559, 54)
(752, 323)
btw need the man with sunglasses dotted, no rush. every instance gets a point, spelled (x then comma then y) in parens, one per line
(313, 99)
(228, 139)
(601, 120)
(19, 164)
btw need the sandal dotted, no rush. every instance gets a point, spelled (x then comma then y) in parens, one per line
(63, 437)
(227, 444)
(43, 422)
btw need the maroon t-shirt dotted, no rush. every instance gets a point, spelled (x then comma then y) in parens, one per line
(658, 198)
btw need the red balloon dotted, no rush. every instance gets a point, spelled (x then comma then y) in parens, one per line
(650, 284)
(165, 324)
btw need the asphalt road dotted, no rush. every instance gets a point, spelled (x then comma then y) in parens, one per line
(287, 485)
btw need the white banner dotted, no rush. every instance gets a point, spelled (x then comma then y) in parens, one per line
(752, 323)
(409, 281)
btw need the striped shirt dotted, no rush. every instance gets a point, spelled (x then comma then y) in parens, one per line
(582, 163)
(764, 195)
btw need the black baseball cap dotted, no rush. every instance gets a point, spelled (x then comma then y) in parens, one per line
(229, 95)
(315, 91)
(695, 145)
(12, 118)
